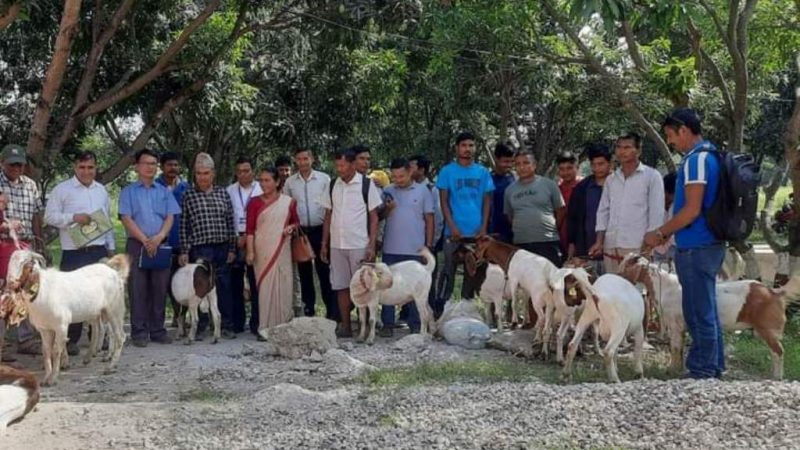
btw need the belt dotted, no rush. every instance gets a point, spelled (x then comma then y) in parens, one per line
(87, 249)
(313, 227)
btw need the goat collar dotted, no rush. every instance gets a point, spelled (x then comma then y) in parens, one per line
(29, 286)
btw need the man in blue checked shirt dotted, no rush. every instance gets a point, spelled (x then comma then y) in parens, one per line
(699, 254)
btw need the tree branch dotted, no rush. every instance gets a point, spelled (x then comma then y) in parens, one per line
(10, 15)
(113, 133)
(614, 82)
(53, 79)
(716, 74)
(109, 99)
(633, 47)
(712, 12)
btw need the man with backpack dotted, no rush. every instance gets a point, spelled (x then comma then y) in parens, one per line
(349, 230)
(699, 252)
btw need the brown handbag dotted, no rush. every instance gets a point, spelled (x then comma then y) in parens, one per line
(301, 247)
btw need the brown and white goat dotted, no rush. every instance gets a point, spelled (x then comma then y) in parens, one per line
(744, 304)
(19, 393)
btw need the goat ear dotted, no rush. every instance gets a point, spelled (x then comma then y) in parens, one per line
(557, 279)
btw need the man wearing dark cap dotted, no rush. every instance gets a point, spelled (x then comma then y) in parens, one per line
(699, 254)
(25, 211)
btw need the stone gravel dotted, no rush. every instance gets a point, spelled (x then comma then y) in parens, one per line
(236, 396)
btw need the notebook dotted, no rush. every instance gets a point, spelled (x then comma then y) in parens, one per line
(161, 260)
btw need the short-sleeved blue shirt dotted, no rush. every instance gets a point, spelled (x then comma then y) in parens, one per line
(147, 206)
(701, 165)
(404, 233)
(466, 187)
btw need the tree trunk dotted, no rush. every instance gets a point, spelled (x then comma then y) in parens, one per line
(791, 143)
(52, 83)
(10, 14)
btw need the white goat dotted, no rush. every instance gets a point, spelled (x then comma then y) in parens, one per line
(568, 300)
(741, 305)
(193, 286)
(495, 290)
(395, 285)
(618, 307)
(55, 299)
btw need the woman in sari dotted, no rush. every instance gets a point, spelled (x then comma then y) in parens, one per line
(271, 219)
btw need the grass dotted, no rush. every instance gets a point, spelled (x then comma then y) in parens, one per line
(203, 395)
(452, 372)
(780, 198)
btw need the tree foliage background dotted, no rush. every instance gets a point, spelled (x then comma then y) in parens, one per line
(262, 78)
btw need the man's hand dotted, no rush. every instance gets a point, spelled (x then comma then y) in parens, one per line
(289, 230)
(323, 253)
(596, 249)
(653, 239)
(83, 219)
(242, 242)
(150, 246)
(231, 257)
(369, 255)
(110, 252)
(455, 236)
(570, 251)
(183, 259)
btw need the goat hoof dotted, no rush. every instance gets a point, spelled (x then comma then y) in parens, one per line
(370, 342)
(215, 340)
(47, 382)
(109, 371)
(86, 362)
(188, 341)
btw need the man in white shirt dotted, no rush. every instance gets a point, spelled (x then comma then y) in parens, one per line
(241, 193)
(350, 229)
(306, 187)
(72, 202)
(631, 205)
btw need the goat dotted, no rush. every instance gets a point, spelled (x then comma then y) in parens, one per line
(744, 304)
(534, 273)
(55, 299)
(19, 393)
(398, 284)
(618, 308)
(193, 286)
(495, 291)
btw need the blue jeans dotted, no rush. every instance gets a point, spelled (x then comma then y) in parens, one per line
(218, 255)
(697, 272)
(387, 311)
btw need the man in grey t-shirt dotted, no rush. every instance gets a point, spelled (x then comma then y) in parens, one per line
(535, 208)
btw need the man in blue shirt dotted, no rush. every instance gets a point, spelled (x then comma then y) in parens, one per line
(502, 178)
(147, 211)
(699, 254)
(409, 227)
(465, 190)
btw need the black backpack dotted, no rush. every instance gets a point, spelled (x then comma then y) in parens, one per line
(732, 216)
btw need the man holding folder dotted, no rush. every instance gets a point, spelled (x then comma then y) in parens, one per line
(79, 207)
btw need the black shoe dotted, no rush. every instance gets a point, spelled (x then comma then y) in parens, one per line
(162, 340)
(228, 334)
(260, 338)
(139, 343)
(72, 349)
(386, 332)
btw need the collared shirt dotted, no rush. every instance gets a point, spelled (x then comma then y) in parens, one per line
(307, 194)
(207, 219)
(240, 198)
(405, 223)
(24, 202)
(147, 206)
(349, 214)
(72, 197)
(698, 166)
(178, 189)
(438, 215)
(630, 207)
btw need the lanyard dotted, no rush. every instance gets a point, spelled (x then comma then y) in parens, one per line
(249, 196)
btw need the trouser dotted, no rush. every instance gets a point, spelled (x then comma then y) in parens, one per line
(447, 278)
(388, 311)
(306, 273)
(218, 255)
(697, 272)
(148, 293)
(73, 260)
(176, 307)
(239, 269)
(549, 250)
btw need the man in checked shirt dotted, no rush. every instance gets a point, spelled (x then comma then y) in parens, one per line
(207, 231)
